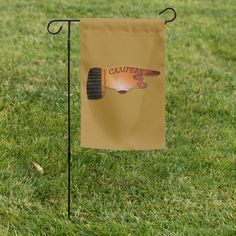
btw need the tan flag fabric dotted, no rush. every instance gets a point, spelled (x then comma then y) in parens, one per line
(122, 71)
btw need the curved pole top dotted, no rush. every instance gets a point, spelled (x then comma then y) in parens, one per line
(174, 12)
(59, 30)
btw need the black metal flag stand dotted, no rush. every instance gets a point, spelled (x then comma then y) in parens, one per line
(69, 21)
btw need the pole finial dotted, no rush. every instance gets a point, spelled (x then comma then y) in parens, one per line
(173, 10)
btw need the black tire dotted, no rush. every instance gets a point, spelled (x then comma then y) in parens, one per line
(94, 84)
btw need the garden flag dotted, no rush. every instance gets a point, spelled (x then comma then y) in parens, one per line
(122, 71)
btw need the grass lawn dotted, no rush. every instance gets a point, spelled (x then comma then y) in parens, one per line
(186, 189)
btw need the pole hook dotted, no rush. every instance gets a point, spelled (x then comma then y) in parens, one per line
(174, 12)
(56, 32)
(61, 21)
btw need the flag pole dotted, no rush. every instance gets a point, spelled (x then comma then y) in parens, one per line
(68, 105)
(69, 21)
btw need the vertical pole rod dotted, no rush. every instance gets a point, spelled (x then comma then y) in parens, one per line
(68, 105)
(68, 102)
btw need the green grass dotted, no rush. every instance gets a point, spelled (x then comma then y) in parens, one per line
(186, 189)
